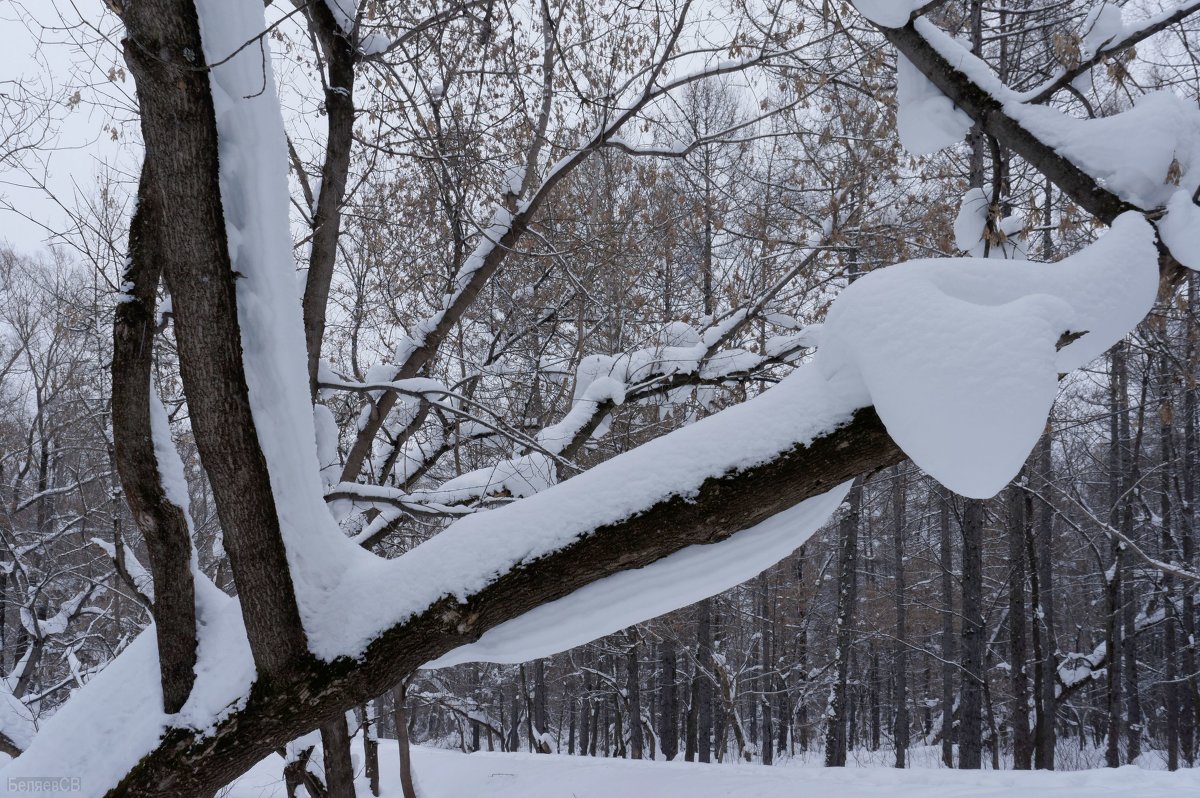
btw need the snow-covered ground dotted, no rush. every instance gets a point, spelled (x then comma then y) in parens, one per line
(450, 774)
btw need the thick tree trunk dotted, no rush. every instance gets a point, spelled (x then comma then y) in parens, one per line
(320, 692)
(316, 691)
(179, 130)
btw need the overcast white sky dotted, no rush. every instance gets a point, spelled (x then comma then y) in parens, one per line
(47, 50)
(54, 48)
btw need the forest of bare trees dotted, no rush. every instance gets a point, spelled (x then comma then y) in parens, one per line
(528, 238)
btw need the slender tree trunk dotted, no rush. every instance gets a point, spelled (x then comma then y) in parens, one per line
(970, 727)
(1129, 597)
(1113, 631)
(620, 748)
(693, 718)
(1022, 741)
(371, 745)
(800, 719)
(634, 692)
(1170, 553)
(836, 711)
(536, 708)
(514, 729)
(949, 640)
(704, 667)
(874, 698)
(993, 739)
(585, 706)
(541, 716)
(400, 698)
(900, 657)
(1043, 547)
(339, 56)
(599, 709)
(970, 740)
(768, 684)
(1189, 706)
(668, 713)
(572, 711)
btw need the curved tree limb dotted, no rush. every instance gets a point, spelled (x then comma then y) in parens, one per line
(161, 522)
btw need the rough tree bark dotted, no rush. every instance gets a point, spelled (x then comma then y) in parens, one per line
(179, 130)
(161, 522)
(295, 693)
(339, 770)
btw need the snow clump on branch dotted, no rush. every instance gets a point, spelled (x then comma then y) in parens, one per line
(961, 356)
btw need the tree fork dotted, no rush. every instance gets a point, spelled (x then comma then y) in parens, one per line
(186, 763)
(178, 125)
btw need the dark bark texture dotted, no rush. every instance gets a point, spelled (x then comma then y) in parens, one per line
(161, 521)
(162, 50)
